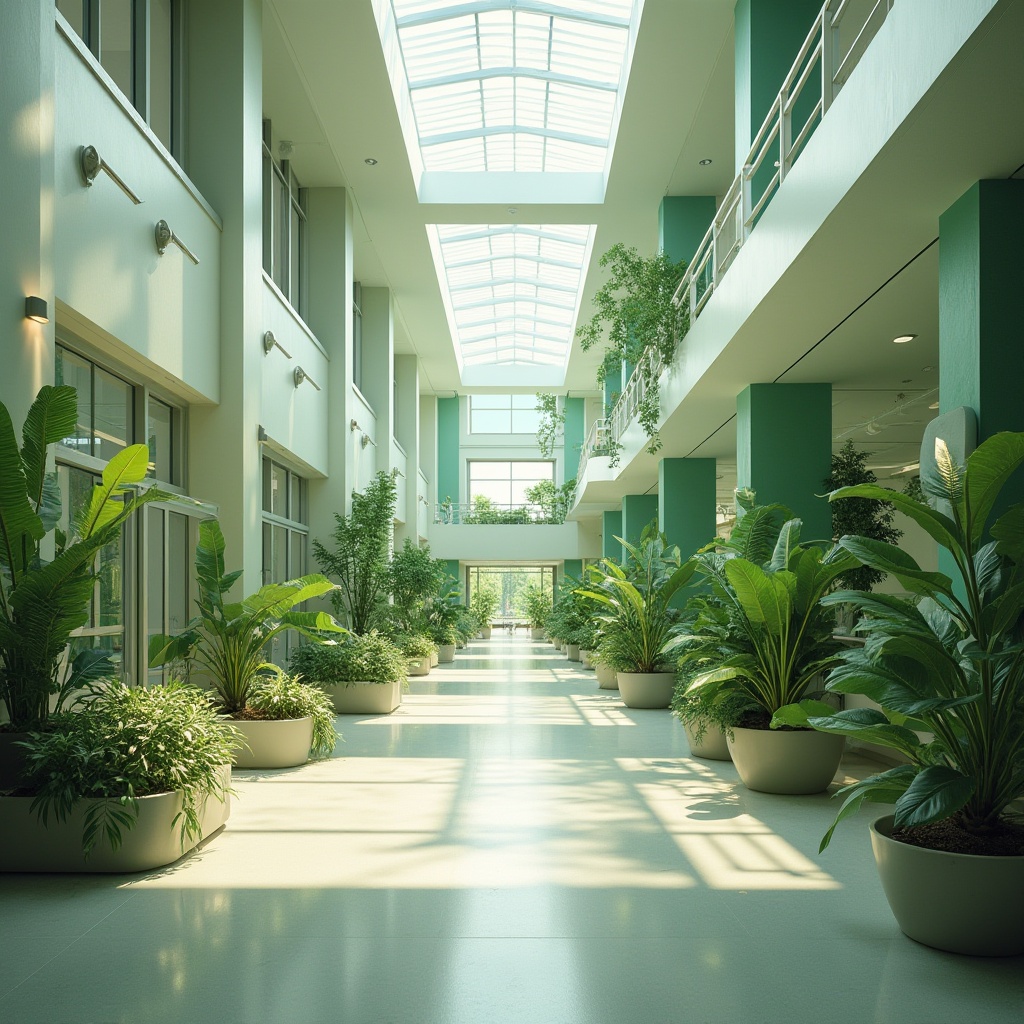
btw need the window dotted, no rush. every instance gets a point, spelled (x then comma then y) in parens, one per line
(168, 575)
(105, 407)
(503, 414)
(357, 335)
(284, 227)
(506, 483)
(511, 585)
(139, 44)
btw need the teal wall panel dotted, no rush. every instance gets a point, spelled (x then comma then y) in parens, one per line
(572, 436)
(611, 527)
(448, 461)
(683, 221)
(686, 503)
(638, 511)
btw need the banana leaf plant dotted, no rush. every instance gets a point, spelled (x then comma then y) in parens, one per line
(43, 600)
(640, 629)
(227, 640)
(950, 666)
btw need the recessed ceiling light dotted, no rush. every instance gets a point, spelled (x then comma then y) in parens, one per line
(705, 161)
(902, 339)
(934, 405)
(927, 369)
(512, 211)
(371, 161)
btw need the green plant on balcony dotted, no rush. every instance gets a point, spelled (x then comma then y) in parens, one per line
(553, 501)
(550, 424)
(485, 512)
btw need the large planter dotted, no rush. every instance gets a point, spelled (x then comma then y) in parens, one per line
(585, 657)
(273, 744)
(536, 633)
(572, 652)
(485, 633)
(647, 689)
(712, 745)
(419, 666)
(958, 902)
(434, 660)
(446, 653)
(28, 845)
(364, 698)
(787, 761)
(606, 677)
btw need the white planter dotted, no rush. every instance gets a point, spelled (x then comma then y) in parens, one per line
(434, 659)
(712, 745)
(364, 698)
(958, 902)
(485, 633)
(419, 666)
(585, 657)
(564, 648)
(573, 652)
(792, 762)
(606, 677)
(27, 845)
(647, 689)
(536, 634)
(273, 744)
(446, 653)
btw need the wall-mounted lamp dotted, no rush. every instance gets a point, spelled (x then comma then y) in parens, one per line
(365, 440)
(300, 375)
(91, 163)
(270, 343)
(164, 236)
(354, 425)
(35, 309)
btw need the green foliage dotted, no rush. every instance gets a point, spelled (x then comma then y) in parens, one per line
(278, 696)
(227, 640)
(485, 512)
(369, 658)
(415, 577)
(359, 558)
(122, 743)
(43, 601)
(554, 502)
(538, 606)
(859, 517)
(415, 645)
(950, 666)
(550, 425)
(485, 599)
(634, 310)
(703, 707)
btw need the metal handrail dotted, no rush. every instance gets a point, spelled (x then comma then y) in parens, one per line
(456, 513)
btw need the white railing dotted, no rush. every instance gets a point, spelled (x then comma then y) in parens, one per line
(469, 513)
(595, 444)
(841, 33)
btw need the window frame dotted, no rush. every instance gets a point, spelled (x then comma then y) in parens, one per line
(509, 409)
(512, 479)
(278, 176)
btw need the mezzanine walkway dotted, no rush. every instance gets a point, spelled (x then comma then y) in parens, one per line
(512, 846)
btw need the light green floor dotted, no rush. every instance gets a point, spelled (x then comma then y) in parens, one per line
(512, 846)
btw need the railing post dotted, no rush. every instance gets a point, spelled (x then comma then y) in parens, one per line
(785, 132)
(827, 59)
(745, 202)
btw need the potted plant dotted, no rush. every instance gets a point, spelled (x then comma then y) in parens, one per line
(949, 677)
(362, 674)
(607, 677)
(707, 717)
(43, 600)
(771, 646)
(227, 643)
(485, 603)
(445, 635)
(640, 628)
(418, 651)
(414, 578)
(538, 607)
(129, 780)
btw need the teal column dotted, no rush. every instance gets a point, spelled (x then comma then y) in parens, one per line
(448, 476)
(611, 527)
(784, 449)
(981, 279)
(573, 567)
(572, 438)
(612, 388)
(638, 511)
(451, 566)
(768, 36)
(683, 221)
(686, 503)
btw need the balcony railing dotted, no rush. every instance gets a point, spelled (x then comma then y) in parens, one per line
(470, 513)
(841, 34)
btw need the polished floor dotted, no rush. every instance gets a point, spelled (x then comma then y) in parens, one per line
(511, 846)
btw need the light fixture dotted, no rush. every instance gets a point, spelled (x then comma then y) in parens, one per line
(371, 161)
(874, 428)
(270, 342)
(934, 405)
(286, 147)
(902, 339)
(299, 375)
(705, 162)
(163, 236)
(512, 211)
(35, 309)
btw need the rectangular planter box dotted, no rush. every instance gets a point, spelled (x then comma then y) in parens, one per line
(366, 698)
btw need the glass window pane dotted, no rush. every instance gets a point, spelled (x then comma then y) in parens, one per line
(278, 490)
(178, 571)
(159, 437)
(73, 11)
(116, 43)
(490, 421)
(297, 498)
(525, 421)
(297, 561)
(282, 207)
(295, 248)
(76, 372)
(268, 551)
(279, 562)
(155, 519)
(161, 80)
(111, 582)
(112, 415)
(533, 471)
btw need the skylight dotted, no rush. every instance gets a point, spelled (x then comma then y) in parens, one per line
(512, 291)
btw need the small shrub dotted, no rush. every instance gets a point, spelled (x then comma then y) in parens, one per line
(370, 657)
(280, 696)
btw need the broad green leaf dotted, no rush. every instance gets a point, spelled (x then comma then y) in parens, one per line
(20, 526)
(1008, 530)
(991, 571)
(938, 526)
(869, 726)
(938, 792)
(799, 715)
(127, 468)
(312, 623)
(788, 542)
(50, 419)
(989, 466)
(885, 788)
(896, 562)
(756, 594)
(1007, 609)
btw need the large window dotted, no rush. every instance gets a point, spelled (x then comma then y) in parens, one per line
(510, 586)
(506, 483)
(503, 414)
(284, 227)
(139, 44)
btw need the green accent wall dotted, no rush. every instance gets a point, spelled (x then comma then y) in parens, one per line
(448, 461)
(638, 510)
(683, 221)
(572, 436)
(686, 503)
(452, 568)
(784, 449)
(611, 527)
(573, 567)
(981, 280)
(612, 387)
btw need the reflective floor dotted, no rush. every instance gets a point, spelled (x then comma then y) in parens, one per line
(511, 846)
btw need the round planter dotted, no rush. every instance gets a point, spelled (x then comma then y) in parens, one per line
(446, 653)
(606, 677)
(792, 762)
(419, 666)
(536, 634)
(712, 745)
(485, 633)
(647, 689)
(572, 652)
(958, 902)
(434, 660)
(585, 657)
(273, 744)
(365, 698)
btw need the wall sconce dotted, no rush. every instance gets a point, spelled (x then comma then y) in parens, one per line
(35, 309)
(270, 343)
(164, 236)
(365, 440)
(354, 425)
(300, 375)
(91, 163)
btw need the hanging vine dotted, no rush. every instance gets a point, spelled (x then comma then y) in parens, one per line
(551, 424)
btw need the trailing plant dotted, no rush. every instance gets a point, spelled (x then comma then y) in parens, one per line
(634, 311)
(359, 557)
(861, 517)
(554, 502)
(550, 425)
(278, 696)
(356, 658)
(43, 600)
(949, 667)
(121, 743)
(228, 640)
